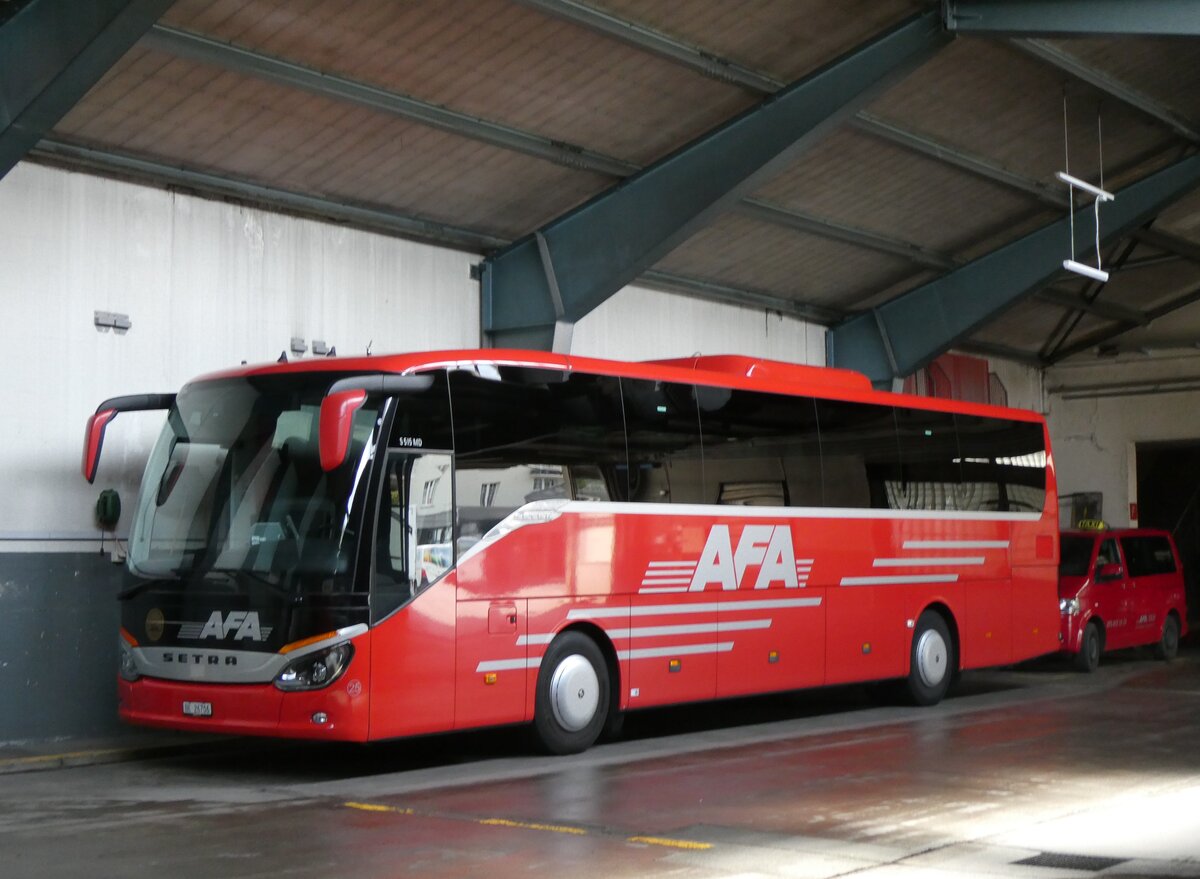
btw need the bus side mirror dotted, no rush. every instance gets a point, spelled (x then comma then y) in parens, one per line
(93, 440)
(1112, 571)
(346, 397)
(93, 437)
(335, 425)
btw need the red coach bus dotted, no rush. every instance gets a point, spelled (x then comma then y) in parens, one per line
(368, 548)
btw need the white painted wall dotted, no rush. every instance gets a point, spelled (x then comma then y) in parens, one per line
(641, 324)
(208, 285)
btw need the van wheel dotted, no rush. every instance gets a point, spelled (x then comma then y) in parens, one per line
(931, 659)
(1168, 644)
(1088, 657)
(571, 705)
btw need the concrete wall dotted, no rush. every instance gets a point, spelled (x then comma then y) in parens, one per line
(206, 285)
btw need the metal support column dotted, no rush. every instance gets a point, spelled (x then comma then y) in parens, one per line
(900, 336)
(611, 240)
(51, 53)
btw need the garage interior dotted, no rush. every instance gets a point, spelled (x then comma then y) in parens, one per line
(186, 186)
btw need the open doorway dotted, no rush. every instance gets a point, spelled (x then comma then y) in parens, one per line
(1168, 497)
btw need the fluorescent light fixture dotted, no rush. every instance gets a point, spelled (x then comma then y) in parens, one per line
(1087, 271)
(1102, 194)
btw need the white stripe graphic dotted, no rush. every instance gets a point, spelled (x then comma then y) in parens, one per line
(661, 590)
(682, 650)
(654, 610)
(899, 581)
(691, 566)
(666, 581)
(508, 664)
(693, 629)
(522, 640)
(942, 561)
(785, 513)
(956, 544)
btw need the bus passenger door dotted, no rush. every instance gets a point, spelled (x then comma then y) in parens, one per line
(492, 661)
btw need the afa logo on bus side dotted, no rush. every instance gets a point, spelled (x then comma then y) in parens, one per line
(764, 550)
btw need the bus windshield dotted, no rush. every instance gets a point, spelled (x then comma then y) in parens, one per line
(234, 488)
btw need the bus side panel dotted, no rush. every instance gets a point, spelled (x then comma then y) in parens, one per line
(773, 648)
(985, 629)
(866, 632)
(672, 651)
(1035, 614)
(412, 653)
(492, 662)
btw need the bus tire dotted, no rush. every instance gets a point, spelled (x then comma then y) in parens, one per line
(1168, 644)
(931, 659)
(571, 706)
(1088, 657)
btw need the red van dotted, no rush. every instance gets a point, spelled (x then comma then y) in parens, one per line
(1120, 588)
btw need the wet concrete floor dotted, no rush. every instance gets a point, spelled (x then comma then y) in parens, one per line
(1033, 772)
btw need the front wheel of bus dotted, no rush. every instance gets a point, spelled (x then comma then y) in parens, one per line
(931, 664)
(572, 695)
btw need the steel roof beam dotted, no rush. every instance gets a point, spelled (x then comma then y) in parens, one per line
(126, 166)
(949, 155)
(1072, 18)
(197, 47)
(864, 238)
(709, 290)
(51, 53)
(899, 337)
(608, 242)
(1102, 81)
(658, 43)
(1172, 244)
(1108, 334)
(1100, 308)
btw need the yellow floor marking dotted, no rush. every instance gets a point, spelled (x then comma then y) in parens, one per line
(553, 828)
(373, 807)
(671, 843)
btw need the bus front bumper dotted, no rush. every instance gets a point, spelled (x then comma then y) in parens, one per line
(338, 712)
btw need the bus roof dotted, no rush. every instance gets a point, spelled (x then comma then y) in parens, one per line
(730, 370)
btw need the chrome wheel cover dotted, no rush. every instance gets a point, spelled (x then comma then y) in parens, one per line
(574, 693)
(931, 656)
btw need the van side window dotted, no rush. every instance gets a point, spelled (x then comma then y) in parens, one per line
(1148, 555)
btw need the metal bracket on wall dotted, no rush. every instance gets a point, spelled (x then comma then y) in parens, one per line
(111, 320)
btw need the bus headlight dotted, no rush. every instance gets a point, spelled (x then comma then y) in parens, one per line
(315, 670)
(1068, 606)
(128, 668)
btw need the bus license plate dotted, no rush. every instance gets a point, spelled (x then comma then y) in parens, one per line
(197, 709)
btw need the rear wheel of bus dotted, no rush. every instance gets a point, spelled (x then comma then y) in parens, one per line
(571, 707)
(931, 661)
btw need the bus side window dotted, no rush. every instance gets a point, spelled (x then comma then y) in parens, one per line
(666, 463)
(761, 449)
(930, 473)
(859, 453)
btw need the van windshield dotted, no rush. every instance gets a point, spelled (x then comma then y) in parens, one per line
(1075, 555)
